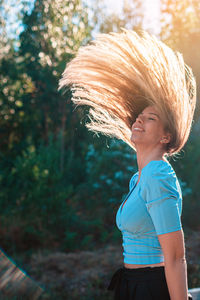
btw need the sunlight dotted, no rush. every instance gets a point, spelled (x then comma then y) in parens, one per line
(151, 12)
(152, 15)
(114, 5)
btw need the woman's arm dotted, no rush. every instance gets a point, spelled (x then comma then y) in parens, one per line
(173, 248)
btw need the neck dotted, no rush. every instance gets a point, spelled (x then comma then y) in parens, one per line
(145, 156)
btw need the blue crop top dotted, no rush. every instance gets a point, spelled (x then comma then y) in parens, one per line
(152, 207)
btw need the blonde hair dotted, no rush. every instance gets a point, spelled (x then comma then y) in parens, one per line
(119, 74)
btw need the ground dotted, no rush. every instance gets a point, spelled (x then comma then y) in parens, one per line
(85, 275)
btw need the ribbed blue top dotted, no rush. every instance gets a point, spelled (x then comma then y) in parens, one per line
(151, 208)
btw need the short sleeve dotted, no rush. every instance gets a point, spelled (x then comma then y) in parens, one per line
(163, 199)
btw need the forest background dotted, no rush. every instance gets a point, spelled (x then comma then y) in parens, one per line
(61, 185)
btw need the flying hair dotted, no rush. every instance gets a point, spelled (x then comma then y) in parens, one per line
(118, 74)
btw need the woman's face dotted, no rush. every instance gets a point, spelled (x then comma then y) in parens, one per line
(148, 129)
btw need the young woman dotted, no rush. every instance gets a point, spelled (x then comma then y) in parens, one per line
(142, 92)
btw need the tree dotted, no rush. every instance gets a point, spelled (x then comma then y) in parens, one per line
(33, 170)
(131, 16)
(32, 108)
(53, 33)
(180, 29)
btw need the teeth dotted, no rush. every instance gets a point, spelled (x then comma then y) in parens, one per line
(139, 129)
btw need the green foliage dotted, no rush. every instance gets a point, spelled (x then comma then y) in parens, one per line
(39, 153)
(131, 16)
(187, 168)
(47, 204)
(55, 175)
(35, 193)
(180, 28)
(31, 106)
(60, 186)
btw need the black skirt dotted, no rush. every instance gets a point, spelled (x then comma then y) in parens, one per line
(147, 283)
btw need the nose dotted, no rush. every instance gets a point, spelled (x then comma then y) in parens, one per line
(139, 119)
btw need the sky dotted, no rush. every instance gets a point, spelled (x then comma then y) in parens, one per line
(151, 11)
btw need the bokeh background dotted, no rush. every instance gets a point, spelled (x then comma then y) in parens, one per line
(61, 185)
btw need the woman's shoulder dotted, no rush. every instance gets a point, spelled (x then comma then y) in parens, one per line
(159, 177)
(158, 170)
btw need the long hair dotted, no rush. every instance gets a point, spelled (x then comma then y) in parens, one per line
(119, 74)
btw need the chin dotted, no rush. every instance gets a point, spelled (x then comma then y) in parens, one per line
(133, 141)
(133, 138)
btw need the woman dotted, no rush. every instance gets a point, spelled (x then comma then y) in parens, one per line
(142, 92)
(150, 220)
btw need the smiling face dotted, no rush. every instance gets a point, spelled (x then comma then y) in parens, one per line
(148, 129)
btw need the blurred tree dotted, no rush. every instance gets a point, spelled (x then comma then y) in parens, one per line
(14, 81)
(32, 107)
(179, 21)
(33, 110)
(6, 75)
(131, 16)
(53, 33)
(47, 184)
(180, 29)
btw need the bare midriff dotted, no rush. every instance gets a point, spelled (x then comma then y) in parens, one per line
(133, 266)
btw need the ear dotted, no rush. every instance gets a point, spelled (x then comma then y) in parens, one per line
(166, 138)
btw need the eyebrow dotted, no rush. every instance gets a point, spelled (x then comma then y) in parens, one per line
(151, 114)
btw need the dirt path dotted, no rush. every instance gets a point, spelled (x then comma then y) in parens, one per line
(85, 274)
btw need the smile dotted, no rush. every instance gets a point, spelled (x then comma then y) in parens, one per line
(138, 129)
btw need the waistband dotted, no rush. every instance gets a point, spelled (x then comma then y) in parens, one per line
(146, 270)
(137, 274)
